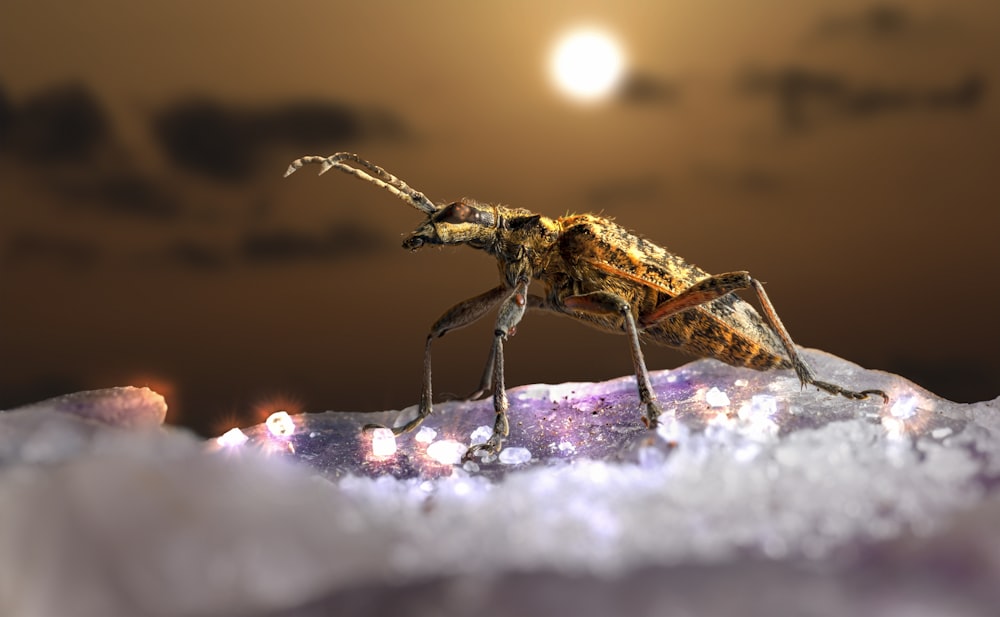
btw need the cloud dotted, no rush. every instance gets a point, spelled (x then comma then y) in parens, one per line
(61, 124)
(878, 21)
(284, 246)
(225, 141)
(641, 88)
(884, 23)
(203, 136)
(806, 97)
(126, 193)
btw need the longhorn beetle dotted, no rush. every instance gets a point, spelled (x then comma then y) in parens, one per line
(595, 271)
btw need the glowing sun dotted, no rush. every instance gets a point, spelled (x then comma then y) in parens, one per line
(587, 64)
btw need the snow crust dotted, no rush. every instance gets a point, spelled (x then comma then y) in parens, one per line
(753, 496)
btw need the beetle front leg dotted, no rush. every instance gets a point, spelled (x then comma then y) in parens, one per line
(510, 314)
(458, 316)
(604, 302)
(486, 381)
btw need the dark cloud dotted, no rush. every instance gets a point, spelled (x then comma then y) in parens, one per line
(62, 124)
(645, 88)
(878, 21)
(965, 94)
(226, 141)
(341, 240)
(28, 247)
(126, 193)
(204, 136)
(265, 247)
(794, 89)
(805, 97)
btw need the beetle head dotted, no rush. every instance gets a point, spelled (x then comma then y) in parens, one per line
(461, 222)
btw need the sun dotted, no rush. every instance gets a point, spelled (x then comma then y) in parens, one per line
(587, 64)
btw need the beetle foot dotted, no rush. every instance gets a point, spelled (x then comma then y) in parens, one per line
(491, 447)
(651, 414)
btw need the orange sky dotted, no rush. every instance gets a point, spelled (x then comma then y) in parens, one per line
(843, 152)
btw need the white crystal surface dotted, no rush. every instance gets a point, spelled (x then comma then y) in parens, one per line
(716, 511)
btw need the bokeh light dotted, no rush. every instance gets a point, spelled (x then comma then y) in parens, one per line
(587, 64)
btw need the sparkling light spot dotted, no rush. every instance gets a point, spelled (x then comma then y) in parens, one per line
(425, 435)
(280, 424)
(481, 435)
(716, 398)
(514, 456)
(587, 64)
(232, 438)
(383, 442)
(447, 451)
(566, 447)
(904, 407)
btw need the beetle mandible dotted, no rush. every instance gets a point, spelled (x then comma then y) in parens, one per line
(593, 270)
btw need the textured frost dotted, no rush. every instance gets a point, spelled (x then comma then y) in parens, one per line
(584, 509)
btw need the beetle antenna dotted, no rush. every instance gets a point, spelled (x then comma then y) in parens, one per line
(377, 176)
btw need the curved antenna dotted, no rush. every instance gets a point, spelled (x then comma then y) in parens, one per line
(378, 177)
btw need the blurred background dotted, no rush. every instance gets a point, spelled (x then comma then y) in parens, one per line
(844, 152)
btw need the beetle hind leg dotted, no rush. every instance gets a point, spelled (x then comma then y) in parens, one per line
(803, 371)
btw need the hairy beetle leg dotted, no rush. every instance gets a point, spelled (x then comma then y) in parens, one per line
(802, 370)
(605, 302)
(511, 311)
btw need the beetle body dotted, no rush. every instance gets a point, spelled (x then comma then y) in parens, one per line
(597, 272)
(596, 254)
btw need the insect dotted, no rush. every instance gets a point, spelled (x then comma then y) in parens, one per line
(595, 271)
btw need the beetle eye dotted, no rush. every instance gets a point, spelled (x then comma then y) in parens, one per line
(460, 212)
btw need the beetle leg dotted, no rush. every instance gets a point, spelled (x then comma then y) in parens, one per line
(604, 302)
(705, 290)
(458, 316)
(486, 381)
(510, 314)
(801, 369)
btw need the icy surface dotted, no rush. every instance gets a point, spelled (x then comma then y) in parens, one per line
(752, 496)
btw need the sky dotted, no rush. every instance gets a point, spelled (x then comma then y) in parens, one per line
(843, 152)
